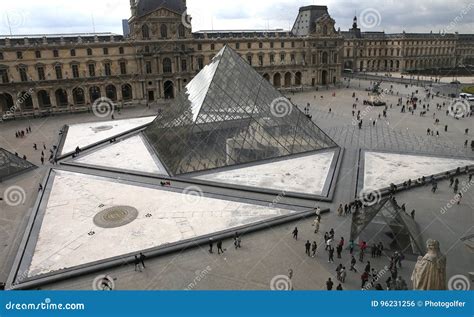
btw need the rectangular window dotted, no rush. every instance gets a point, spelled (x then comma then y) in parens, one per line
(75, 71)
(41, 73)
(23, 74)
(184, 65)
(38, 54)
(106, 51)
(123, 68)
(260, 45)
(73, 52)
(107, 69)
(213, 47)
(199, 47)
(1, 56)
(272, 58)
(249, 59)
(59, 72)
(271, 44)
(282, 44)
(282, 57)
(91, 70)
(89, 52)
(148, 67)
(121, 51)
(4, 76)
(55, 53)
(260, 60)
(237, 46)
(292, 57)
(200, 63)
(19, 55)
(249, 45)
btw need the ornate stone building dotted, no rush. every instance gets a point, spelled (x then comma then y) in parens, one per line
(160, 55)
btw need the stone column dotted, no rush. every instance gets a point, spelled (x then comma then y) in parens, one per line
(70, 99)
(52, 97)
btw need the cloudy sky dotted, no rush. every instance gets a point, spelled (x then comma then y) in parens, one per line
(66, 16)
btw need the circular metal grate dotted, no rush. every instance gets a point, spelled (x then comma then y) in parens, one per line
(115, 217)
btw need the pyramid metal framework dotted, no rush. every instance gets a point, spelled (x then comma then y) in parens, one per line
(229, 115)
(12, 165)
(404, 233)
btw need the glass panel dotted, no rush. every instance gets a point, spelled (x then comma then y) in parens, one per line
(224, 118)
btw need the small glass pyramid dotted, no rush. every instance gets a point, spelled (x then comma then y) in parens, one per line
(227, 116)
(12, 165)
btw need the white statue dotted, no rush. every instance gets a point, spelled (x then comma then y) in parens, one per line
(430, 270)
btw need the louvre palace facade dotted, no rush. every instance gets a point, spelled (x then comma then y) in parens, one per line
(159, 54)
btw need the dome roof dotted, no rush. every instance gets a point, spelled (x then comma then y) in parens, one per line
(147, 6)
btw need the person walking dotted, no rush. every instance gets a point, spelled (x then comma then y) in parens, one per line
(339, 250)
(142, 259)
(343, 274)
(351, 247)
(339, 287)
(295, 233)
(211, 245)
(331, 255)
(353, 263)
(237, 240)
(329, 243)
(308, 247)
(136, 261)
(364, 279)
(219, 247)
(316, 225)
(329, 284)
(314, 248)
(367, 267)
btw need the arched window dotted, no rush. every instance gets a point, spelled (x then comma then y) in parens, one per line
(145, 32)
(167, 65)
(325, 58)
(164, 31)
(181, 31)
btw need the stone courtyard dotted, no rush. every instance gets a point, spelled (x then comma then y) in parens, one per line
(272, 252)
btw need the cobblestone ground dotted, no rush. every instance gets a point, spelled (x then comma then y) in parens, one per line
(272, 252)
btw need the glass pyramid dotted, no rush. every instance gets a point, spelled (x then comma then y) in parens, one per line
(12, 165)
(226, 116)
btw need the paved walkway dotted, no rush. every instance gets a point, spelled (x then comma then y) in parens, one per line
(271, 252)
